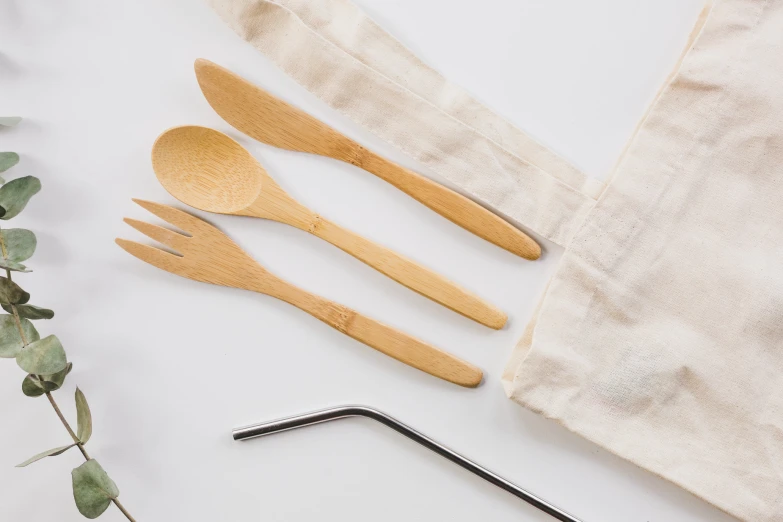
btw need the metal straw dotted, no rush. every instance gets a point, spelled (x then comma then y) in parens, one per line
(342, 412)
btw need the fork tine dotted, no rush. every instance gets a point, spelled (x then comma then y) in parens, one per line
(154, 256)
(168, 237)
(178, 218)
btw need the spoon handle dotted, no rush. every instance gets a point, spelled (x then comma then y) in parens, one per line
(409, 273)
(385, 339)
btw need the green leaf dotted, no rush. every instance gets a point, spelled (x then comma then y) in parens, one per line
(15, 194)
(55, 381)
(93, 490)
(11, 293)
(48, 453)
(43, 357)
(14, 267)
(83, 417)
(10, 340)
(29, 311)
(9, 121)
(8, 160)
(19, 244)
(32, 386)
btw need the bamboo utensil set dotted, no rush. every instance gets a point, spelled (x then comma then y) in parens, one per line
(208, 170)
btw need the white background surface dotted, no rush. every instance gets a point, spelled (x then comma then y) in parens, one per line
(170, 365)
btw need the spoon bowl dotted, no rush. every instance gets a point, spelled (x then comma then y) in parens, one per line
(207, 170)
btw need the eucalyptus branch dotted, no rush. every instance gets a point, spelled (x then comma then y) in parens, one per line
(44, 360)
(67, 426)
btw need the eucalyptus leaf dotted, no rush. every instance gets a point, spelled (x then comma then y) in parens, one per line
(8, 160)
(13, 266)
(37, 385)
(10, 340)
(19, 244)
(93, 490)
(15, 194)
(11, 293)
(32, 387)
(83, 417)
(29, 311)
(43, 357)
(48, 453)
(9, 121)
(55, 381)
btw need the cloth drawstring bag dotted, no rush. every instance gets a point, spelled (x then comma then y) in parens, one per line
(660, 336)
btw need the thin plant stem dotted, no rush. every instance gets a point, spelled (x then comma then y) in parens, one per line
(123, 510)
(67, 426)
(49, 396)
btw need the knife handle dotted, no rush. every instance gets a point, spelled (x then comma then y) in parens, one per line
(453, 206)
(385, 339)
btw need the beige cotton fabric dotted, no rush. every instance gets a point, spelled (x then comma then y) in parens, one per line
(387, 90)
(660, 337)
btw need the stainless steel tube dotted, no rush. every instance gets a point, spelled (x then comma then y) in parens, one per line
(341, 412)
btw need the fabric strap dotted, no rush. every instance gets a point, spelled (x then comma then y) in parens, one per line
(336, 52)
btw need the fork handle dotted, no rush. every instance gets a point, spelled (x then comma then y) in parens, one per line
(385, 339)
(409, 273)
(450, 204)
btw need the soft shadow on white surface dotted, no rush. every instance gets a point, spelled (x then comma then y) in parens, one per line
(170, 365)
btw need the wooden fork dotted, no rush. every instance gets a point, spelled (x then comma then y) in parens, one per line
(208, 255)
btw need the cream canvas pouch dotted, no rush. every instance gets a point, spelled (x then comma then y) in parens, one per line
(660, 335)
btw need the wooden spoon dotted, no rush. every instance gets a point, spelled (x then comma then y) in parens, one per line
(210, 171)
(269, 119)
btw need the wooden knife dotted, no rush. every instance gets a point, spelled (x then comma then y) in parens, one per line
(270, 120)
